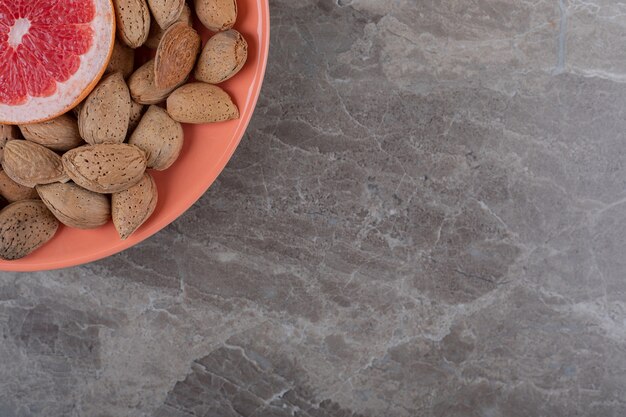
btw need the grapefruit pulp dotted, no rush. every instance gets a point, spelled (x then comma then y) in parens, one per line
(52, 54)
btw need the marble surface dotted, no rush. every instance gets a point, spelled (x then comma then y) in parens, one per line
(427, 217)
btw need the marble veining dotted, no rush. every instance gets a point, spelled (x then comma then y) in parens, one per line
(426, 217)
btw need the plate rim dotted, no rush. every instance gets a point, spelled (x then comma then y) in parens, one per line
(264, 45)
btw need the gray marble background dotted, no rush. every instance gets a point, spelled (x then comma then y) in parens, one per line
(427, 217)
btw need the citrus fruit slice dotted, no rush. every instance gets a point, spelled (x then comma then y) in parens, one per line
(52, 54)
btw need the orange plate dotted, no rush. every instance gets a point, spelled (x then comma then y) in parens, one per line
(205, 154)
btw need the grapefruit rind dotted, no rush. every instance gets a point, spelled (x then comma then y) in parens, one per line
(70, 93)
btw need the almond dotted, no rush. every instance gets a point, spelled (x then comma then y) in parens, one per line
(59, 134)
(7, 132)
(156, 32)
(131, 208)
(24, 227)
(74, 206)
(122, 60)
(136, 112)
(222, 57)
(30, 164)
(216, 15)
(201, 103)
(133, 21)
(12, 191)
(142, 87)
(176, 55)
(105, 168)
(160, 137)
(105, 115)
(166, 12)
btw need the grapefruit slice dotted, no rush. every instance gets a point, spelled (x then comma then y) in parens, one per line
(52, 54)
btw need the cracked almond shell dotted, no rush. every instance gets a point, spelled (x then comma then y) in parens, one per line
(131, 208)
(105, 168)
(74, 206)
(24, 227)
(30, 164)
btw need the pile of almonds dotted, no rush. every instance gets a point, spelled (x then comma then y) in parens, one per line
(83, 169)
